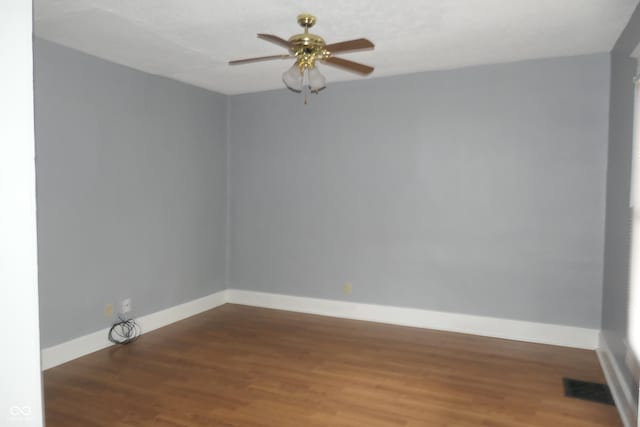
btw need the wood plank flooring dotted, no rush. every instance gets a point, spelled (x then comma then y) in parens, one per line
(251, 367)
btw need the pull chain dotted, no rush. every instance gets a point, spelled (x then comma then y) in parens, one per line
(305, 86)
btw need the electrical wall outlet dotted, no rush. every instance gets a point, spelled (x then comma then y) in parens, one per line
(347, 287)
(125, 306)
(108, 310)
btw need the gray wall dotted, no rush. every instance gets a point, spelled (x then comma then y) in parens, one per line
(131, 177)
(617, 243)
(477, 191)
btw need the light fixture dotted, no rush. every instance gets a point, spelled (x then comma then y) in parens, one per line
(316, 80)
(304, 78)
(293, 78)
(308, 49)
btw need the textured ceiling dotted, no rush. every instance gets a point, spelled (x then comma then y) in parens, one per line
(192, 40)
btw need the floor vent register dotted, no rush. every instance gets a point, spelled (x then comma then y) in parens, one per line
(593, 392)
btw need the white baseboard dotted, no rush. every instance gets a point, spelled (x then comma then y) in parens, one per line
(69, 350)
(622, 395)
(567, 336)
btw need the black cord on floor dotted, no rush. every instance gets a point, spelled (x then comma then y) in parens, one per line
(124, 332)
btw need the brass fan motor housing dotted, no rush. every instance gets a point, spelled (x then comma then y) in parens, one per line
(307, 47)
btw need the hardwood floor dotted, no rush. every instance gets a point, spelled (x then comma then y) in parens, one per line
(250, 367)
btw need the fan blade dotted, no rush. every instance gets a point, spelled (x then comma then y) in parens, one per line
(357, 44)
(354, 67)
(261, 58)
(275, 39)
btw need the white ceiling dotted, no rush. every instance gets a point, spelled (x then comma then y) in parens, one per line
(192, 40)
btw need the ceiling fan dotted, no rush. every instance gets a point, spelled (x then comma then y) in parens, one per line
(308, 48)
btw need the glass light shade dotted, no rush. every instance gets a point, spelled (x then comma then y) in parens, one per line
(292, 78)
(315, 79)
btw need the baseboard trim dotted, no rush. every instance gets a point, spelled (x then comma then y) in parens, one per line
(561, 335)
(543, 333)
(623, 397)
(69, 350)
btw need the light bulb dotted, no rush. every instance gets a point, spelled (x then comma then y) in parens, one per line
(292, 78)
(316, 80)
